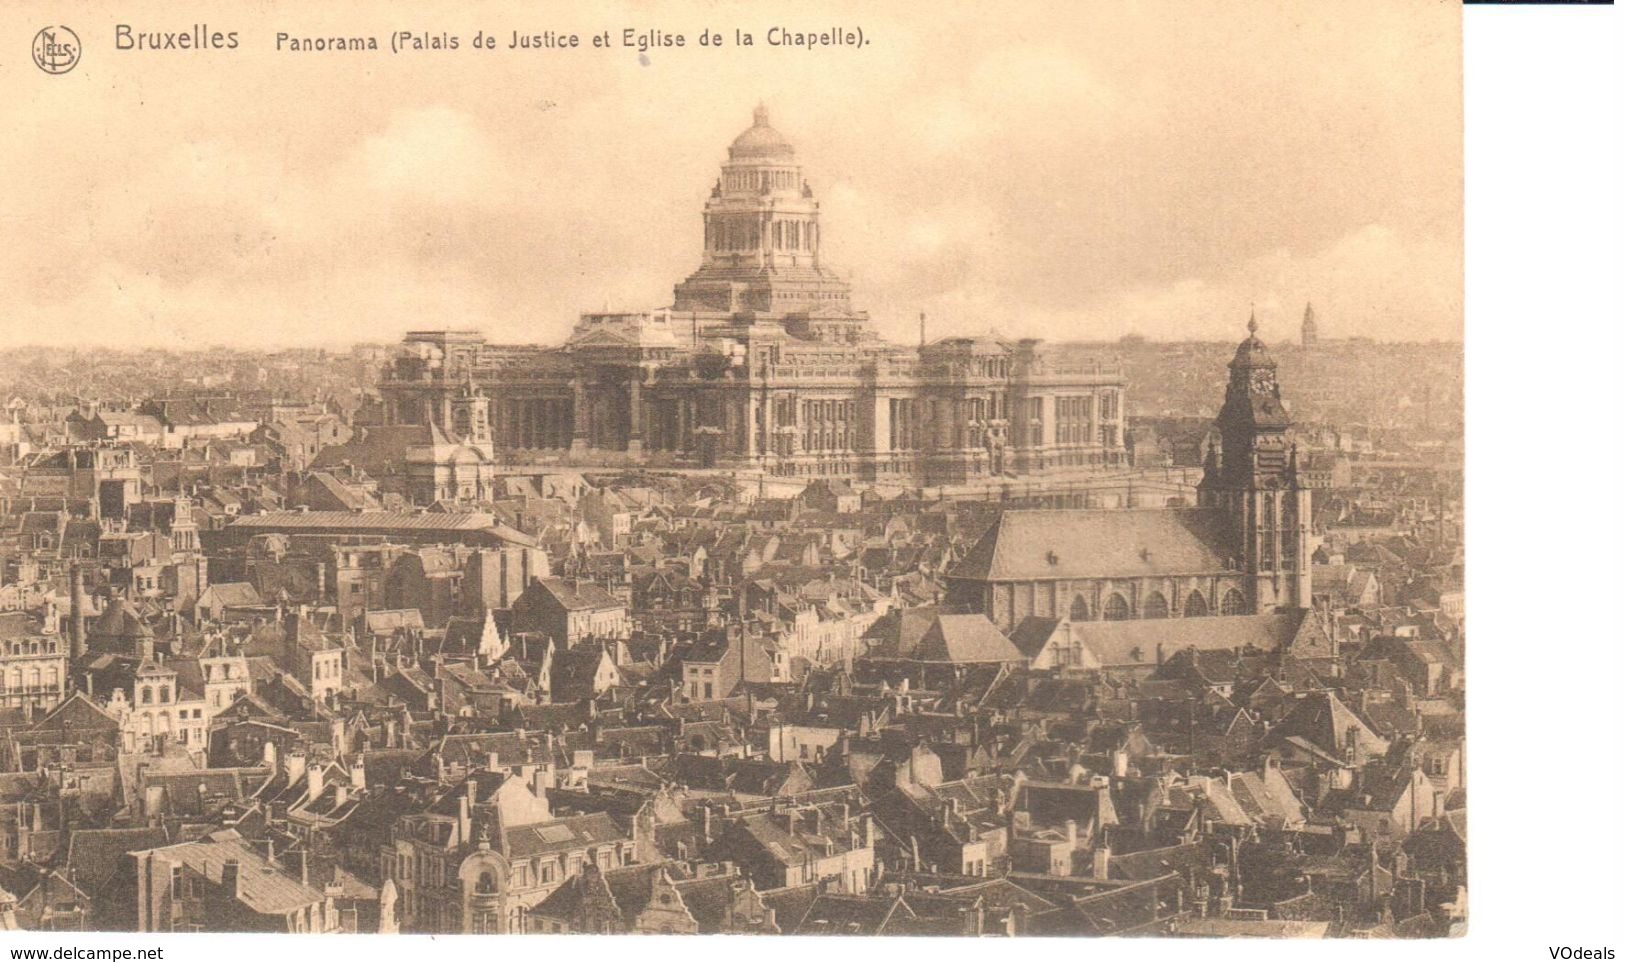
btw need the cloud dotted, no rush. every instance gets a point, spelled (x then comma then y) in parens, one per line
(1079, 170)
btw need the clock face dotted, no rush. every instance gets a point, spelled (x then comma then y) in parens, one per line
(1264, 381)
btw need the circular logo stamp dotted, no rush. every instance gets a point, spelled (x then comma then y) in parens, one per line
(56, 50)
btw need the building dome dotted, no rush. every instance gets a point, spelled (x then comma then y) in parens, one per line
(1251, 352)
(761, 141)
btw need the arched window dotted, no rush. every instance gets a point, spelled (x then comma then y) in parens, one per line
(487, 883)
(1156, 606)
(1233, 603)
(1195, 605)
(1116, 608)
(1080, 608)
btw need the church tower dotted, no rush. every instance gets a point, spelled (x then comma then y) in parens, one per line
(471, 419)
(1255, 478)
(1311, 330)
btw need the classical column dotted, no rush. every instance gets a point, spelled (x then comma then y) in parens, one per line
(634, 406)
(578, 416)
(769, 438)
(752, 406)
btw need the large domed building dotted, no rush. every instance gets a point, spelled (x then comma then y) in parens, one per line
(761, 363)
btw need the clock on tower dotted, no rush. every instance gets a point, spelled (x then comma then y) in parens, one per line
(1254, 480)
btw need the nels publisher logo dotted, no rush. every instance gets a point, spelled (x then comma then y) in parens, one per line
(56, 50)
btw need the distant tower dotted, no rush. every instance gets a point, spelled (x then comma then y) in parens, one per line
(1311, 330)
(1256, 479)
(471, 419)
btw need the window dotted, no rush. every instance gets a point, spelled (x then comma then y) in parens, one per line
(1080, 609)
(1156, 606)
(1233, 603)
(1116, 608)
(1195, 605)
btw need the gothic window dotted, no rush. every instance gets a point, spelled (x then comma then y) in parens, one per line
(1156, 606)
(1195, 605)
(1116, 608)
(1233, 603)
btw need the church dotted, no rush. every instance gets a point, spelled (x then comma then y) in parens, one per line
(1242, 551)
(761, 363)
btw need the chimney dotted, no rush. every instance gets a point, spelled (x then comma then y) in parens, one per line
(228, 878)
(493, 762)
(1120, 763)
(294, 767)
(1103, 862)
(358, 773)
(464, 818)
(1072, 832)
(1015, 923)
(76, 612)
(313, 782)
(540, 781)
(304, 866)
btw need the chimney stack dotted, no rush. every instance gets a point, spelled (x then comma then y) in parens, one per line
(228, 878)
(295, 767)
(313, 782)
(76, 612)
(1103, 862)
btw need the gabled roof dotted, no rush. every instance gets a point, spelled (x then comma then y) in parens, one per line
(578, 595)
(1052, 545)
(1135, 643)
(965, 639)
(260, 887)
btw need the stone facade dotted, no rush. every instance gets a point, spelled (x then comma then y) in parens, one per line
(1244, 550)
(761, 363)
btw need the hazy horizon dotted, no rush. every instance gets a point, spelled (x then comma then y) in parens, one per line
(1159, 174)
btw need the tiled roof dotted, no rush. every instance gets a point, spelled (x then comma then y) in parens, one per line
(260, 886)
(578, 595)
(1048, 545)
(1124, 644)
(563, 834)
(366, 521)
(965, 639)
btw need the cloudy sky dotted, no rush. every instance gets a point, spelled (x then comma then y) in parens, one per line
(1075, 170)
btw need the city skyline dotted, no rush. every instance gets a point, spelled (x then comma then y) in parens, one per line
(1087, 185)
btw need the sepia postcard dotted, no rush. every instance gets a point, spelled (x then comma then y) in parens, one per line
(933, 469)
